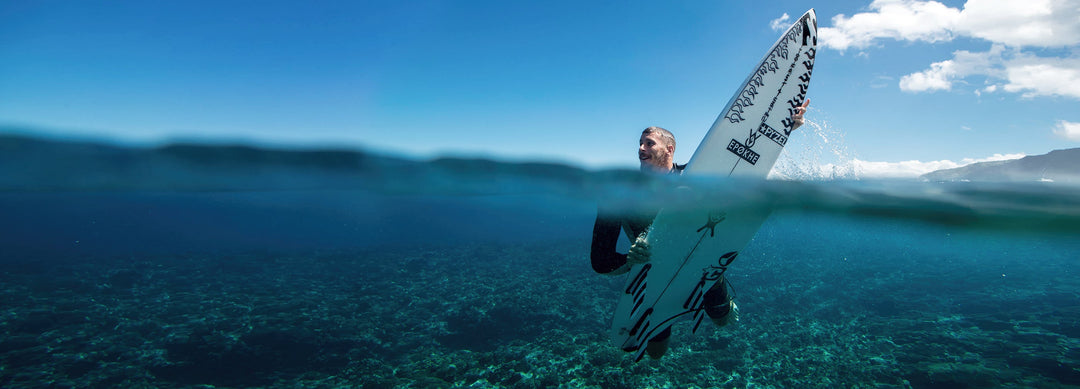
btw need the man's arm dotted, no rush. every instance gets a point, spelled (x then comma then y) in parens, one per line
(605, 260)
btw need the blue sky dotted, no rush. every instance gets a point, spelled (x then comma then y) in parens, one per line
(899, 85)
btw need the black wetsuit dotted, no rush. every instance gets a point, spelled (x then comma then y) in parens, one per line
(609, 224)
(605, 237)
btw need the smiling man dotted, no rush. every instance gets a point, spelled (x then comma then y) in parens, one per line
(656, 151)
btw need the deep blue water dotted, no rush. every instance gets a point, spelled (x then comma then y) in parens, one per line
(478, 282)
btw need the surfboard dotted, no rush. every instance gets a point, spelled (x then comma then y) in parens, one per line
(692, 246)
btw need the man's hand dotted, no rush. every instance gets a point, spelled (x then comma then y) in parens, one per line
(639, 252)
(800, 111)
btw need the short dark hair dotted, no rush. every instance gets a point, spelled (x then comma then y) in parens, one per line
(665, 135)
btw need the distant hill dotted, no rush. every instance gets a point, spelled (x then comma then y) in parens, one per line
(29, 163)
(1058, 166)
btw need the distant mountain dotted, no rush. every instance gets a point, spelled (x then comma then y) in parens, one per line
(1057, 166)
(34, 164)
(29, 163)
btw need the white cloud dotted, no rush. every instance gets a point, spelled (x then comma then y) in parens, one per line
(781, 23)
(903, 169)
(995, 157)
(859, 169)
(907, 20)
(1035, 76)
(1010, 25)
(1036, 23)
(964, 63)
(1039, 23)
(1068, 130)
(938, 77)
(914, 168)
(1020, 72)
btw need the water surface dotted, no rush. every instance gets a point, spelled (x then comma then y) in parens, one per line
(473, 273)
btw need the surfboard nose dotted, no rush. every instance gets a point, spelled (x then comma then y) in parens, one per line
(812, 16)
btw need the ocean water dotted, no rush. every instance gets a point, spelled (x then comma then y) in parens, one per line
(241, 270)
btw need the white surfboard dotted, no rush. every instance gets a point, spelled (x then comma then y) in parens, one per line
(692, 246)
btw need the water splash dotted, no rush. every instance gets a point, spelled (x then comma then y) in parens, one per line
(816, 152)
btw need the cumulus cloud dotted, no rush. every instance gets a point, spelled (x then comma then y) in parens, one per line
(1012, 26)
(1007, 69)
(779, 24)
(906, 20)
(1068, 130)
(939, 76)
(914, 168)
(903, 169)
(1034, 76)
(860, 169)
(1038, 23)
(964, 63)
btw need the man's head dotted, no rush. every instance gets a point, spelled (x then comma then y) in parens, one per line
(656, 150)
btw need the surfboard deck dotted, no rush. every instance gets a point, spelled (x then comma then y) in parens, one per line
(692, 245)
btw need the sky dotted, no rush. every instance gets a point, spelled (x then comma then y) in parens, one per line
(900, 87)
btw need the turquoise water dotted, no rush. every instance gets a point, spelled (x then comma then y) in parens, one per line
(327, 270)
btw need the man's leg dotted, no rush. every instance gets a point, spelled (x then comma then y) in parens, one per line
(658, 345)
(718, 304)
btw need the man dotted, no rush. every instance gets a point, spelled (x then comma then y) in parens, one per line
(656, 153)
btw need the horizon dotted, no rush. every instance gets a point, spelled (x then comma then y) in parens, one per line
(901, 86)
(787, 166)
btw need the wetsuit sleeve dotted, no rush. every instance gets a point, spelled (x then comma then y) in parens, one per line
(605, 237)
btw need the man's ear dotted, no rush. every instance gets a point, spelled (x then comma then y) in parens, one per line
(671, 149)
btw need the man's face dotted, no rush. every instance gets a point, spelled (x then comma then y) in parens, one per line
(653, 154)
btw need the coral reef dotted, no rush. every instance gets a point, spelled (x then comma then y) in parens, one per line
(534, 315)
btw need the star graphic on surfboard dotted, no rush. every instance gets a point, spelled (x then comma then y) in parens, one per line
(714, 219)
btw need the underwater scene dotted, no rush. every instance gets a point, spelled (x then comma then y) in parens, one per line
(232, 266)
